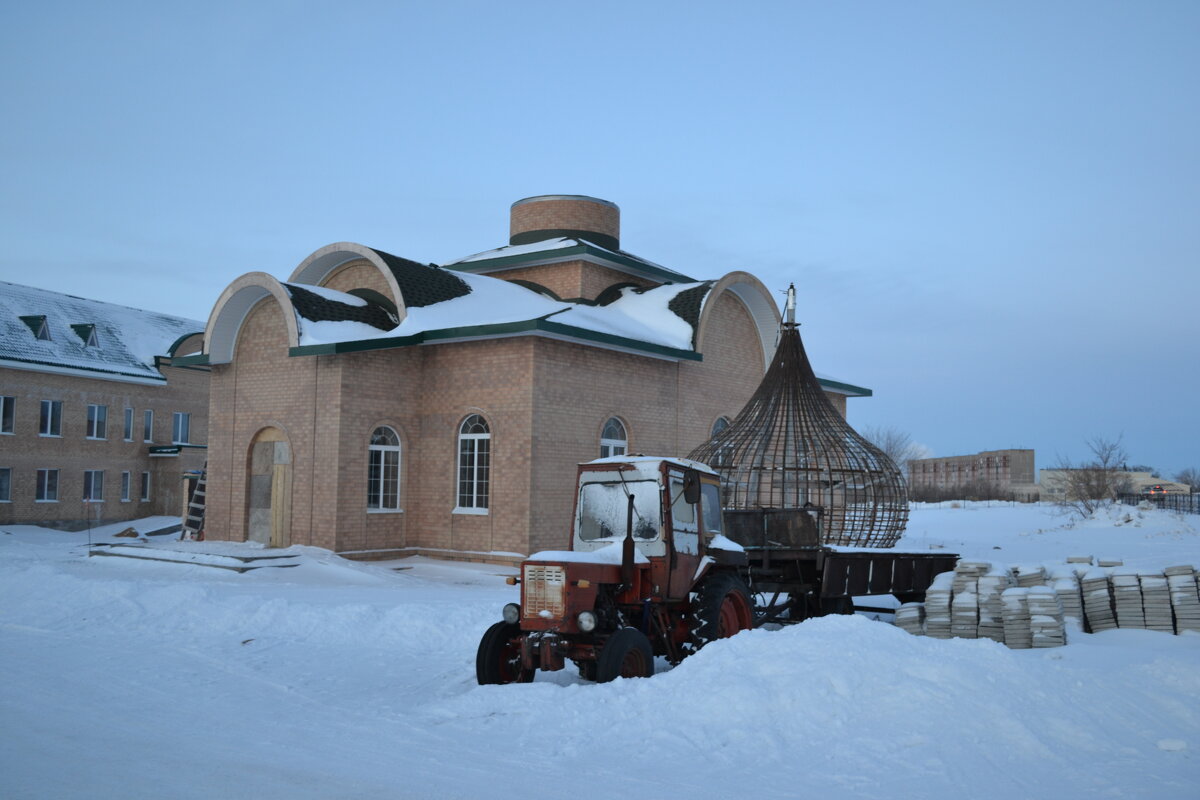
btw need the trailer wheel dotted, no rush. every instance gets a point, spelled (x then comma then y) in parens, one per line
(499, 657)
(626, 654)
(722, 608)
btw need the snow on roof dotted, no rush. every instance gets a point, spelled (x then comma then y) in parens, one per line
(643, 316)
(546, 248)
(126, 339)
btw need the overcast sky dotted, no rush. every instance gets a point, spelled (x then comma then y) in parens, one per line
(991, 211)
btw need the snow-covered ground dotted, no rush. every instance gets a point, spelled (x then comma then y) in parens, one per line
(336, 679)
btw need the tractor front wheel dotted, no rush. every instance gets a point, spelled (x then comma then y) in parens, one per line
(499, 657)
(626, 654)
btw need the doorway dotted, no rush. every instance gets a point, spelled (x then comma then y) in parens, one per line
(270, 489)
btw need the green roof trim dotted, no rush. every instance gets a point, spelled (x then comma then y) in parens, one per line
(848, 388)
(197, 360)
(175, 344)
(566, 254)
(541, 324)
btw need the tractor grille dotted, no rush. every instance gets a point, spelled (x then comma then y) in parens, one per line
(544, 591)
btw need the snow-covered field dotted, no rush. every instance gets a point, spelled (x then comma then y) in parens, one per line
(336, 679)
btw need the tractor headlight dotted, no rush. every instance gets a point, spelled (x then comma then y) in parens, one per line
(587, 621)
(512, 613)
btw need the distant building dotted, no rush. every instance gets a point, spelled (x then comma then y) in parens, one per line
(1054, 483)
(1000, 473)
(95, 424)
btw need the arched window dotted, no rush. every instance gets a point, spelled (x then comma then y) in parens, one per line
(474, 462)
(383, 471)
(613, 441)
(723, 453)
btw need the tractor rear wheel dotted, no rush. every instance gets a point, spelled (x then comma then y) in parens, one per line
(499, 657)
(722, 608)
(626, 654)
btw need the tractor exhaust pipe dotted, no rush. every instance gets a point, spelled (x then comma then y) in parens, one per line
(627, 548)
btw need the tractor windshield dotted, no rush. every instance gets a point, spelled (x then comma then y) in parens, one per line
(604, 509)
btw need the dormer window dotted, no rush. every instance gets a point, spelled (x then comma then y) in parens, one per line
(87, 333)
(39, 326)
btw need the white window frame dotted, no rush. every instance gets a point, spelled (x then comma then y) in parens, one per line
(126, 483)
(613, 445)
(148, 425)
(145, 497)
(93, 489)
(383, 472)
(181, 422)
(41, 491)
(97, 422)
(6, 486)
(8, 414)
(470, 474)
(128, 424)
(50, 418)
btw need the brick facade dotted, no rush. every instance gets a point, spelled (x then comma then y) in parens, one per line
(545, 401)
(25, 451)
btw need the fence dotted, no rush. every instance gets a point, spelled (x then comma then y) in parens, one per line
(1181, 503)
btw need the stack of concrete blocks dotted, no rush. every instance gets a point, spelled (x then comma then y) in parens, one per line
(1127, 599)
(964, 601)
(1045, 617)
(1185, 600)
(1098, 601)
(991, 606)
(1018, 633)
(937, 606)
(910, 617)
(1156, 603)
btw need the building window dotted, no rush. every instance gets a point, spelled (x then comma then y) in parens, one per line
(474, 461)
(125, 483)
(129, 424)
(93, 485)
(97, 422)
(383, 471)
(613, 441)
(47, 486)
(148, 425)
(181, 428)
(5, 485)
(724, 453)
(7, 407)
(50, 423)
(145, 487)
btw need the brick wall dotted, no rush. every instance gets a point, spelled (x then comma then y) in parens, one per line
(25, 451)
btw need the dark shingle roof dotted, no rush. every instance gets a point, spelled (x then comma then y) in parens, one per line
(688, 303)
(318, 308)
(423, 285)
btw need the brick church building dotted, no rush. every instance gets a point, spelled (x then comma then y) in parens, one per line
(379, 407)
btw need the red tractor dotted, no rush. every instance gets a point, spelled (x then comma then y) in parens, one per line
(649, 573)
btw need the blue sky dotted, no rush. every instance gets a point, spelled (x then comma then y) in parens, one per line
(990, 209)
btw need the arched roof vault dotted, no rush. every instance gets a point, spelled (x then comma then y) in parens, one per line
(315, 269)
(758, 302)
(232, 308)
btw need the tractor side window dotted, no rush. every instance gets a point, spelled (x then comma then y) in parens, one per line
(683, 513)
(710, 507)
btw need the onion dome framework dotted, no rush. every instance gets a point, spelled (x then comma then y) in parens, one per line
(789, 448)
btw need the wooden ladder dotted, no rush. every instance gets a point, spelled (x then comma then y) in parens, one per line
(193, 526)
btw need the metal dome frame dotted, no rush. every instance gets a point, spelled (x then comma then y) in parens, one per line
(789, 448)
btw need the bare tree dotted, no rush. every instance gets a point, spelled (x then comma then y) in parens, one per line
(1190, 476)
(1097, 482)
(896, 444)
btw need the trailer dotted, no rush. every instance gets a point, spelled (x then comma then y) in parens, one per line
(655, 567)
